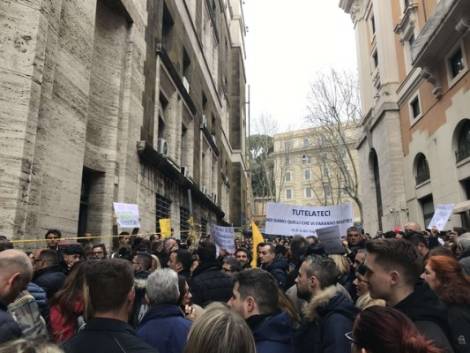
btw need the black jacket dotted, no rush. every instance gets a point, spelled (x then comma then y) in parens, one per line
(328, 317)
(428, 313)
(272, 333)
(51, 279)
(107, 336)
(210, 284)
(278, 268)
(459, 322)
(9, 329)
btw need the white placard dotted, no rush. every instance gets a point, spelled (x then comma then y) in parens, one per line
(289, 220)
(330, 238)
(127, 215)
(224, 237)
(441, 216)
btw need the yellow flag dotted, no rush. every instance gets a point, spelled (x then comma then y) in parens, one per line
(165, 227)
(257, 239)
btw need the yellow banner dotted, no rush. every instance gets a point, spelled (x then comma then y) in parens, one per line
(257, 239)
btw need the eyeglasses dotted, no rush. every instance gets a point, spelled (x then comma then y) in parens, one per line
(350, 337)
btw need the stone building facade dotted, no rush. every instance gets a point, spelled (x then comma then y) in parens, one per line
(137, 101)
(304, 173)
(413, 60)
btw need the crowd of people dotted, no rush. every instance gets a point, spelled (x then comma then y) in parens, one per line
(404, 291)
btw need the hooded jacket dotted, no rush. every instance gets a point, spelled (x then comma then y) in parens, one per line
(51, 279)
(168, 321)
(273, 333)
(328, 317)
(428, 313)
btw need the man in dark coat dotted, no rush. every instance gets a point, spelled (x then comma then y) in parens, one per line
(254, 298)
(393, 269)
(111, 294)
(329, 314)
(209, 283)
(16, 272)
(164, 316)
(48, 273)
(277, 266)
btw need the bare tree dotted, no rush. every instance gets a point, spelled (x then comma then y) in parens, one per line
(334, 112)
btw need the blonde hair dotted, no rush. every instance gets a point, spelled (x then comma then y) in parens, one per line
(31, 346)
(342, 263)
(220, 330)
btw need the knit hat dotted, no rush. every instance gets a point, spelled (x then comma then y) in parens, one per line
(72, 249)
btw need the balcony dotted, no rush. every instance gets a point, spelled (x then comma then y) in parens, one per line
(449, 22)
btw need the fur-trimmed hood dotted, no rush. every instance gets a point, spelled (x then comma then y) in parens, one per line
(331, 298)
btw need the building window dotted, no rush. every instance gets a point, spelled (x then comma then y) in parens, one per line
(327, 190)
(162, 209)
(184, 223)
(422, 169)
(289, 194)
(288, 176)
(305, 159)
(374, 163)
(415, 107)
(463, 142)
(427, 205)
(306, 142)
(288, 146)
(375, 58)
(308, 193)
(287, 160)
(456, 63)
(203, 226)
(307, 174)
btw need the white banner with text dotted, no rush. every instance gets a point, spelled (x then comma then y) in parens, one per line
(289, 220)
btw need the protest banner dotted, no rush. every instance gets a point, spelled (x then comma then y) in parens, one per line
(257, 239)
(289, 220)
(165, 227)
(127, 215)
(330, 238)
(441, 216)
(224, 237)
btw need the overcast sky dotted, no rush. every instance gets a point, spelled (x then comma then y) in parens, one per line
(287, 43)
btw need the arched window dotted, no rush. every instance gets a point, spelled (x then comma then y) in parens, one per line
(422, 169)
(374, 164)
(463, 142)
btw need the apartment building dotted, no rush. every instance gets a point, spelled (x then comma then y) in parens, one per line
(307, 173)
(133, 101)
(413, 65)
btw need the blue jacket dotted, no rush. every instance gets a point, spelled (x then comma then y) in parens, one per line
(272, 333)
(165, 328)
(329, 316)
(40, 296)
(9, 329)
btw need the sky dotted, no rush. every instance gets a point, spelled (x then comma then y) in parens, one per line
(287, 43)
